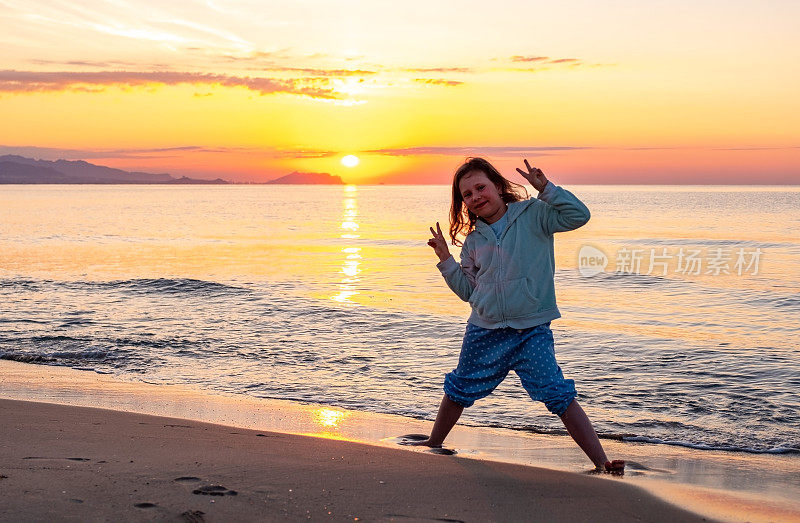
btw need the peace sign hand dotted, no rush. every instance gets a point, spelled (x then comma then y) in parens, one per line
(534, 175)
(439, 244)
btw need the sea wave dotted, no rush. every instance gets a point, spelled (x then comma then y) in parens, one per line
(167, 286)
(26, 358)
(708, 242)
(627, 280)
(703, 446)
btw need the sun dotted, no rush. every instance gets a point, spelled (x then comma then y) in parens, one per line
(350, 160)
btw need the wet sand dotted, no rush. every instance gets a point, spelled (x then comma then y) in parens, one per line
(718, 485)
(67, 462)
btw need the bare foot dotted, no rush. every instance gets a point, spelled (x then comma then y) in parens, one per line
(615, 467)
(417, 440)
(435, 449)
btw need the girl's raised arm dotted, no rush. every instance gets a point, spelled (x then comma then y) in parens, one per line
(534, 175)
(439, 243)
(564, 211)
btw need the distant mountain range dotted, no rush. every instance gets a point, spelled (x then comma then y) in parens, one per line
(18, 169)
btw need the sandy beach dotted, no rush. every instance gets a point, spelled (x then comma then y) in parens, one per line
(82, 445)
(66, 462)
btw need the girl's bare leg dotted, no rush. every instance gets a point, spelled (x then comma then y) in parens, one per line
(449, 412)
(580, 428)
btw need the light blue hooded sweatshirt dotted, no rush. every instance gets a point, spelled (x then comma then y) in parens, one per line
(509, 281)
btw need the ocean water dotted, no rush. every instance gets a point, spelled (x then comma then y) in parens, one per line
(329, 294)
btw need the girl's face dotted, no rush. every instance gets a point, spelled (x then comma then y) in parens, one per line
(481, 196)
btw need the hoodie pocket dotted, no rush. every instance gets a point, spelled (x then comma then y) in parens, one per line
(484, 301)
(519, 297)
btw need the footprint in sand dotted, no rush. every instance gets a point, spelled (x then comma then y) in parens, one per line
(187, 479)
(206, 490)
(410, 438)
(214, 490)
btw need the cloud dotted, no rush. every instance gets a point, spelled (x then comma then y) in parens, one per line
(437, 69)
(322, 72)
(54, 153)
(94, 63)
(501, 151)
(272, 60)
(303, 153)
(33, 81)
(437, 81)
(252, 57)
(543, 59)
(520, 58)
(182, 148)
(758, 148)
(543, 63)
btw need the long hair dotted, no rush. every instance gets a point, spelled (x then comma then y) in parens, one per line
(462, 221)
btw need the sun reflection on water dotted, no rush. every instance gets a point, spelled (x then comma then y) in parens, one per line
(328, 418)
(326, 423)
(352, 259)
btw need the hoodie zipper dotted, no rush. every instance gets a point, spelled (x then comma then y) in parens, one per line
(501, 298)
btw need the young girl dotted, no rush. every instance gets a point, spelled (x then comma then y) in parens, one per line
(506, 275)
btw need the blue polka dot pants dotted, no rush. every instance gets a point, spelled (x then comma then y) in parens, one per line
(488, 354)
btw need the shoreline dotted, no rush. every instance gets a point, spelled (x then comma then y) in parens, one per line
(716, 484)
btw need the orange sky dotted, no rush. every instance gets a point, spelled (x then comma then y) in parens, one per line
(630, 92)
